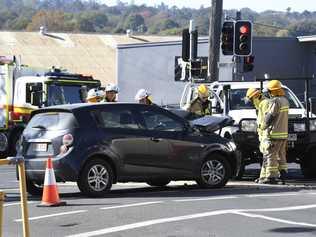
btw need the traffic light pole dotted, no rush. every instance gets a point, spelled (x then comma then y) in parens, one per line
(193, 48)
(214, 39)
(237, 71)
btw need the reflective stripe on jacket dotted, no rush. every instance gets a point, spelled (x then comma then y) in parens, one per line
(279, 109)
(200, 108)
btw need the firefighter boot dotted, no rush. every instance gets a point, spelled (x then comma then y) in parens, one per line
(269, 181)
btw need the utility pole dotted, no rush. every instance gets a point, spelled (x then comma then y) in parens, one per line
(214, 39)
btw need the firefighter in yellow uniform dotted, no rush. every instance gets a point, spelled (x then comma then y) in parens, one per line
(261, 103)
(276, 123)
(201, 105)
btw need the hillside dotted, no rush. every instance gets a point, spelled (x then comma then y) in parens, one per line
(90, 16)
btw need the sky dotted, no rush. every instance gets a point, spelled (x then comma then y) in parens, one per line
(257, 5)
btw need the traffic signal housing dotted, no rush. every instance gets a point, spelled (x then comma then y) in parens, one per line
(185, 45)
(228, 38)
(248, 63)
(243, 38)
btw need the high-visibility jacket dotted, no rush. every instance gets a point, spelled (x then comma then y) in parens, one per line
(200, 108)
(262, 110)
(279, 110)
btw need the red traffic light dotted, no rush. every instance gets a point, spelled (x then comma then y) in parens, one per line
(242, 38)
(244, 29)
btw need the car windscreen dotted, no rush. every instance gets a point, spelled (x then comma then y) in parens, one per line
(52, 121)
(238, 101)
(59, 94)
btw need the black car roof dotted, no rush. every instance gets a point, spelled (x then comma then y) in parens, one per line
(83, 106)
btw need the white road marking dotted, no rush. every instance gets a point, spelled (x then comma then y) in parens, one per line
(148, 223)
(10, 189)
(131, 205)
(293, 208)
(17, 203)
(194, 216)
(241, 196)
(275, 219)
(52, 215)
(205, 199)
(5, 173)
(272, 195)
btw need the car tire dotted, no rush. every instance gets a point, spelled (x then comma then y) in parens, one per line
(214, 172)
(158, 182)
(96, 178)
(34, 188)
(15, 142)
(308, 167)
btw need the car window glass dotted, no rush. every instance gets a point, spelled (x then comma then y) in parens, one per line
(117, 119)
(160, 122)
(292, 101)
(237, 99)
(52, 121)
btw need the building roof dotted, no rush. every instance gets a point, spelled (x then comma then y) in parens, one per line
(309, 38)
(92, 54)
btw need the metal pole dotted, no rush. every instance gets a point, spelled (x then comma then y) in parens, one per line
(25, 215)
(237, 59)
(214, 38)
(2, 196)
(192, 49)
(192, 53)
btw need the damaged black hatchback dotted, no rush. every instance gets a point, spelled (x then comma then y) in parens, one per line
(97, 145)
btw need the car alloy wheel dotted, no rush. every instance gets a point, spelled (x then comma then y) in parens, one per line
(214, 172)
(98, 177)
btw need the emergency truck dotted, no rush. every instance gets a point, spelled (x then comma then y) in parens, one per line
(24, 89)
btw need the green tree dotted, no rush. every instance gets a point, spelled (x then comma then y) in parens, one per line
(133, 22)
(52, 20)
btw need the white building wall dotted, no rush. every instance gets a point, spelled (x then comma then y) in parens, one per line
(151, 66)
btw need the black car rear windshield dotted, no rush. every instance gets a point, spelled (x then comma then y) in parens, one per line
(52, 121)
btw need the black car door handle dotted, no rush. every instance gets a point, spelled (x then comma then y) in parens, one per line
(154, 139)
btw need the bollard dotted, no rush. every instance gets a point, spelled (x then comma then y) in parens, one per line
(25, 215)
(2, 196)
(22, 183)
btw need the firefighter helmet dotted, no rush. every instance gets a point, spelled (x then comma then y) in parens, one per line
(95, 95)
(141, 94)
(111, 87)
(274, 85)
(252, 92)
(203, 90)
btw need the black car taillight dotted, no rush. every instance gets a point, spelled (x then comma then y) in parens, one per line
(68, 140)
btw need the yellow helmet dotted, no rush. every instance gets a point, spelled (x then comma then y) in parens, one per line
(252, 92)
(274, 85)
(203, 90)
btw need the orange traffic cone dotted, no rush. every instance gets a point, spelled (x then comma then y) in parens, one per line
(50, 196)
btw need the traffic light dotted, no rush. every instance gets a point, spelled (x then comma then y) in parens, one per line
(228, 38)
(199, 68)
(243, 38)
(196, 67)
(248, 63)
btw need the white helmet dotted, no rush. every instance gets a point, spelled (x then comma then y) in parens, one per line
(111, 87)
(95, 95)
(141, 94)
